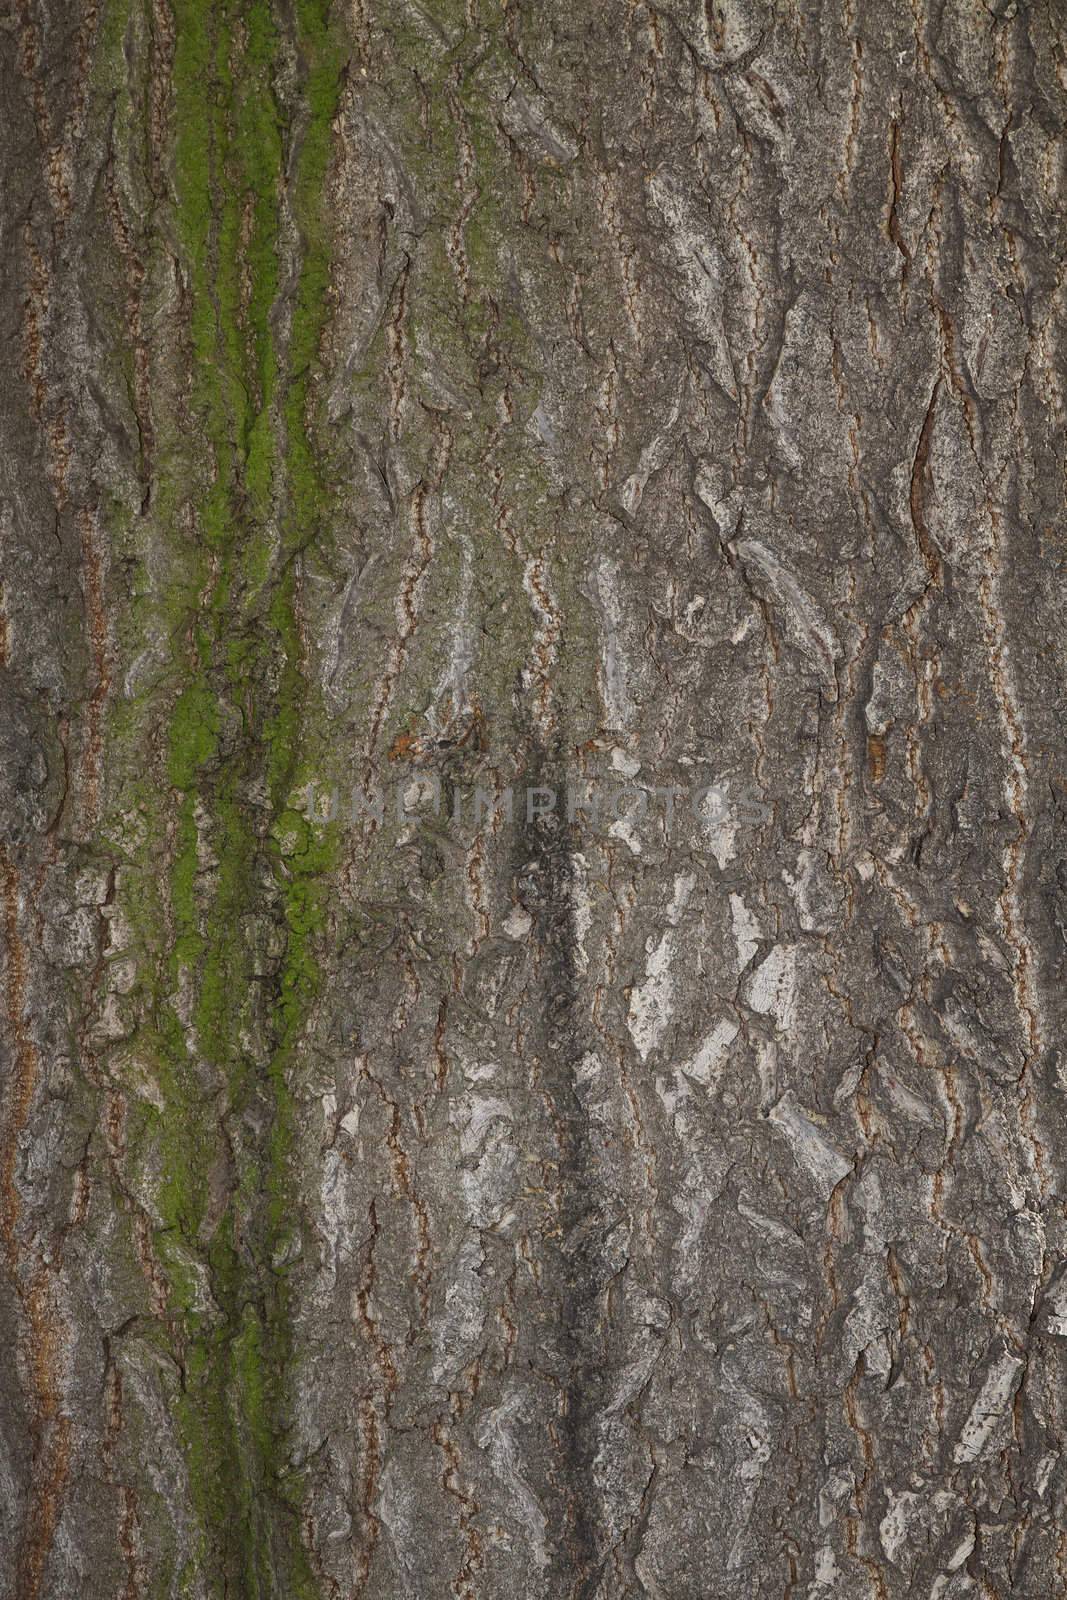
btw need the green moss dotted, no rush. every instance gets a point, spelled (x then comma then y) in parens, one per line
(193, 734)
(222, 719)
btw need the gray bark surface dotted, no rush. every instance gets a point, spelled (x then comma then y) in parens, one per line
(513, 394)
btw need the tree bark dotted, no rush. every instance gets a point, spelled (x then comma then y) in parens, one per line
(531, 799)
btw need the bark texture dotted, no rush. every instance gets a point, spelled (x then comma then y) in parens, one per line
(512, 393)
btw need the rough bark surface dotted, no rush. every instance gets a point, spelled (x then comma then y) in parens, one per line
(513, 393)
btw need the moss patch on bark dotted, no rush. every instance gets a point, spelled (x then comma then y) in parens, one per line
(227, 926)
